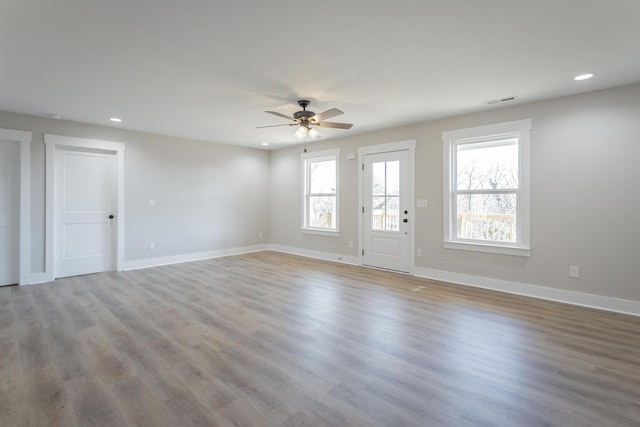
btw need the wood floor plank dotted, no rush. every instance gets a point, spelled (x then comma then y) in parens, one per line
(240, 413)
(67, 352)
(92, 403)
(269, 339)
(11, 385)
(105, 362)
(47, 399)
(34, 351)
(201, 380)
(139, 406)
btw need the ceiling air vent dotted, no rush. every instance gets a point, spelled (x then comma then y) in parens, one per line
(499, 100)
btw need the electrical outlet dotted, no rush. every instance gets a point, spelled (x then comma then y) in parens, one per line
(260, 235)
(574, 271)
(350, 243)
(418, 252)
(152, 246)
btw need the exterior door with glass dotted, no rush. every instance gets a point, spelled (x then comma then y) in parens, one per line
(386, 234)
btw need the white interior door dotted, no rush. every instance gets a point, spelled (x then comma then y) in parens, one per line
(386, 233)
(85, 202)
(9, 212)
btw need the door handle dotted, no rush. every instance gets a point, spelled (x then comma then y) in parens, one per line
(110, 216)
(405, 220)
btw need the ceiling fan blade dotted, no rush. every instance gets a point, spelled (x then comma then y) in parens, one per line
(272, 126)
(327, 114)
(334, 125)
(275, 113)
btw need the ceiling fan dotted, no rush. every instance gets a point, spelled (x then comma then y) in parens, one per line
(306, 119)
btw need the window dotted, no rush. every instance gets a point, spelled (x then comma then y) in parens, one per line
(385, 192)
(321, 191)
(487, 188)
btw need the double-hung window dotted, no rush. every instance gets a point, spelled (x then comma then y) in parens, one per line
(487, 188)
(320, 200)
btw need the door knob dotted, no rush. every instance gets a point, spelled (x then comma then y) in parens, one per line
(405, 220)
(110, 216)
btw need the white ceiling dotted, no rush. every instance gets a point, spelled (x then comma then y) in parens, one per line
(207, 69)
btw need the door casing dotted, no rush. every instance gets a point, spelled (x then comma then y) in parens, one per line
(24, 139)
(58, 142)
(410, 146)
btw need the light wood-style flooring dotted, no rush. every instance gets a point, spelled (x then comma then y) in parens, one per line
(269, 339)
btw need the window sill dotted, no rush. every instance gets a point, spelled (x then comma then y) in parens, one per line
(317, 232)
(493, 249)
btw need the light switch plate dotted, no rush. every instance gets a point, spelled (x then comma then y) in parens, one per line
(574, 271)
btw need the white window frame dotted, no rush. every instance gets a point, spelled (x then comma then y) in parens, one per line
(307, 159)
(518, 129)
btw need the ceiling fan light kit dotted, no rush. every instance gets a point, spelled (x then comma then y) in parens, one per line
(301, 132)
(305, 120)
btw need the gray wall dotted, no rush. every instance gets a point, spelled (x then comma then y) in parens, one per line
(584, 196)
(585, 202)
(207, 196)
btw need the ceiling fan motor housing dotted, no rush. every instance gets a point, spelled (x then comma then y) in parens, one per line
(303, 115)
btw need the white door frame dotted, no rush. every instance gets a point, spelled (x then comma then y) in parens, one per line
(24, 139)
(57, 142)
(409, 145)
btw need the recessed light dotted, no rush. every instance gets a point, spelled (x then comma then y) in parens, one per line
(583, 76)
(265, 144)
(115, 119)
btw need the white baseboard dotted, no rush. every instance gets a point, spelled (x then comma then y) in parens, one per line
(618, 305)
(176, 259)
(326, 256)
(37, 278)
